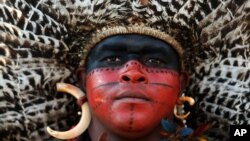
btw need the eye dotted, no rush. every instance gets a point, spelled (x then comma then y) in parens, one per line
(155, 62)
(112, 59)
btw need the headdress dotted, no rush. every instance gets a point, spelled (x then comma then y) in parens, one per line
(42, 42)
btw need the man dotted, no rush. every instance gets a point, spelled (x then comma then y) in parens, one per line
(42, 41)
(132, 82)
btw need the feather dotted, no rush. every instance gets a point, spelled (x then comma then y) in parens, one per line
(41, 43)
(168, 126)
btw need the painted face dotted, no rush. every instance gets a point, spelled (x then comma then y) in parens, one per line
(132, 82)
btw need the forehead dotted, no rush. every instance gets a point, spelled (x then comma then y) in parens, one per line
(133, 43)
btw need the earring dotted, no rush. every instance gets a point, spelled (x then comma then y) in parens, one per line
(178, 109)
(180, 132)
(173, 131)
(85, 114)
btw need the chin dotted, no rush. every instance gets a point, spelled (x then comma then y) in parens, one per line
(133, 134)
(140, 127)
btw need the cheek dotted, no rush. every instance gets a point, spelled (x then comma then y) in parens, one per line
(164, 84)
(102, 76)
(163, 77)
(99, 85)
(164, 101)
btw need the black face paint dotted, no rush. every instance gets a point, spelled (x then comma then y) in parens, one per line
(117, 50)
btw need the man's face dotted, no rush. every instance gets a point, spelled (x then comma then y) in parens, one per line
(132, 82)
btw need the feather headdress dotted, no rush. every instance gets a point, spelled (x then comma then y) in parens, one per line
(43, 41)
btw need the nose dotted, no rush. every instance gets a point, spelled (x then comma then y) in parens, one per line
(133, 73)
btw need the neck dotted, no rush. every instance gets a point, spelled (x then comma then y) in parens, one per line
(98, 132)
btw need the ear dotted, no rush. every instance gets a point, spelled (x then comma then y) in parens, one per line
(81, 77)
(184, 78)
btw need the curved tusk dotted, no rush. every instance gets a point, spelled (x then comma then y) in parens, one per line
(85, 117)
(190, 101)
(182, 117)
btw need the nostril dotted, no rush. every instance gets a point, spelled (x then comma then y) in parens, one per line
(125, 78)
(133, 76)
(141, 79)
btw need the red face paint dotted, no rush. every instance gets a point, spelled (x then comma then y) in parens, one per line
(132, 97)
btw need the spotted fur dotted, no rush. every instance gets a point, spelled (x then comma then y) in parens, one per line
(41, 43)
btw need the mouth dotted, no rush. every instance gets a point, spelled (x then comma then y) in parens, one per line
(132, 97)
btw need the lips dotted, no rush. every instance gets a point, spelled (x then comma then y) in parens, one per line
(132, 96)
